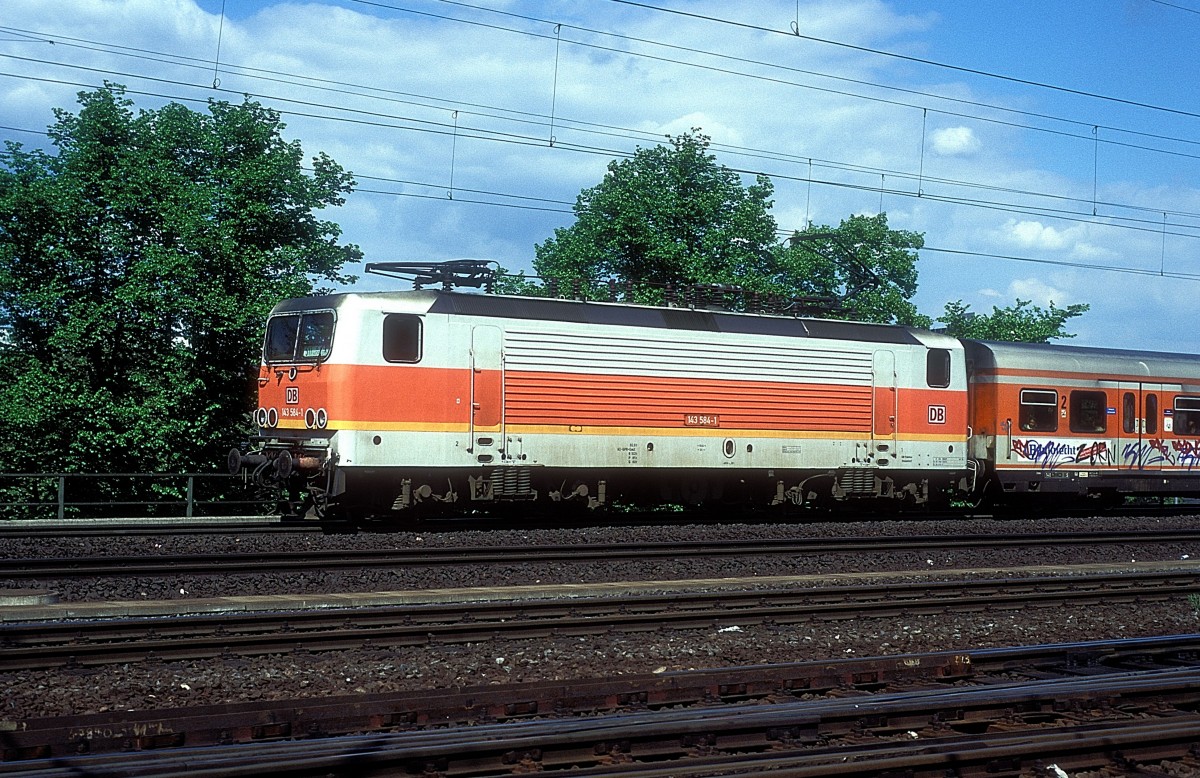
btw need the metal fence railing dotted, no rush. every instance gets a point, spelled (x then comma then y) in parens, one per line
(129, 495)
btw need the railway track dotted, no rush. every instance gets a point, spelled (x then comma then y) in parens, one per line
(42, 644)
(998, 711)
(42, 569)
(101, 528)
(221, 525)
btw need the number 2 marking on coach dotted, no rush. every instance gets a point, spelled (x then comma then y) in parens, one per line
(937, 414)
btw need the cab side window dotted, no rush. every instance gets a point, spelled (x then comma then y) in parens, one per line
(1039, 410)
(1187, 416)
(402, 337)
(937, 368)
(1089, 412)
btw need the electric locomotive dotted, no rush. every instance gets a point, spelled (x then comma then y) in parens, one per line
(375, 404)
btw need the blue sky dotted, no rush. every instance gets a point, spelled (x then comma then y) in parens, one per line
(1033, 143)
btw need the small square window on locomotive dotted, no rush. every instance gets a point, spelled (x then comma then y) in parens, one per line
(402, 337)
(937, 368)
(1039, 410)
(1089, 412)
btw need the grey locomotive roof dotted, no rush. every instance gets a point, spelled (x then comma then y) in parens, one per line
(1053, 358)
(602, 314)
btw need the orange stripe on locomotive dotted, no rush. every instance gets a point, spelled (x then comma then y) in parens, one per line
(415, 397)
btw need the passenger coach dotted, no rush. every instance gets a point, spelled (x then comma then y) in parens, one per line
(1066, 421)
(380, 402)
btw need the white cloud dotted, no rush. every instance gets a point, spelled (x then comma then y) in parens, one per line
(1038, 292)
(1090, 251)
(955, 142)
(1034, 234)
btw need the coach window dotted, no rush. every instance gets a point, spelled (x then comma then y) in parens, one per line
(1089, 412)
(1187, 416)
(1128, 413)
(937, 367)
(1039, 410)
(402, 337)
(1152, 414)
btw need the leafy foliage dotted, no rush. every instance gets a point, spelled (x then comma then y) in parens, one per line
(669, 214)
(870, 268)
(673, 215)
(1022, 322)
(137, 267)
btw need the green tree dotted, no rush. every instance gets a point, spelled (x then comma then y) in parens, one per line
(1022, 322)
(667, 215)
(862, 263)
(672, 214)
(137, 266)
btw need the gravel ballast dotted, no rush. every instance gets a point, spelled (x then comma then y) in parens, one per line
(165, 684)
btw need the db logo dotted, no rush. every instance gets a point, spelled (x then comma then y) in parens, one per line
(292, 396)
(937, 414)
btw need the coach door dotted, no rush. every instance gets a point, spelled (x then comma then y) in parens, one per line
(1139, 415)
(884, 407)
(487, 382)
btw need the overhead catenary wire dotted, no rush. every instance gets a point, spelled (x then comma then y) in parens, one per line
(379, 119)
(542, 20)
(544, 204)
(914, 59)
(586, 127)
(626, 132)
(1083, 124)
(559, 25)
(1177, 6)
(341, 87)
(491, 135)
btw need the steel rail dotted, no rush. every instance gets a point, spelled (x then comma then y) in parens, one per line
(404, 558)
(1020, 721)
(36, 645)
(18, 530)
(40, 738)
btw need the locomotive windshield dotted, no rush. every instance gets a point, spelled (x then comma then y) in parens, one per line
(299, 337)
